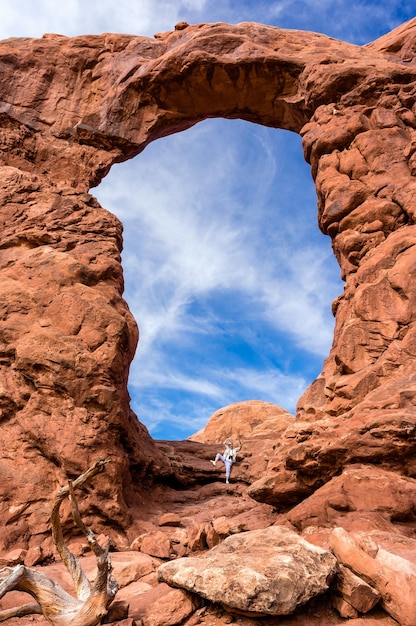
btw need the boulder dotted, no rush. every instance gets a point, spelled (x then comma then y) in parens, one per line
(344, 608)
(355, 591)
(118, 612)
(14, 557)
(392, 575)
(163, 606)
(34, 556)
(170, 519)
(131, 566)
(244, 420)
(133, 590)
(262, 572)
(155, 544)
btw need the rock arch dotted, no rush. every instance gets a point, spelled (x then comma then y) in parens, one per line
(72, 107)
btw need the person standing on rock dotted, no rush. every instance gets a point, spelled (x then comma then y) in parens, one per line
(228, 458)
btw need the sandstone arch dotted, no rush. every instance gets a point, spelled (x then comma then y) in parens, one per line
(69, 109)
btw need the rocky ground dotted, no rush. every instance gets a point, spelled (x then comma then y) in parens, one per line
(197, 544)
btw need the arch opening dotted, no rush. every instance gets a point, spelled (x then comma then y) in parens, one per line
(226, 272)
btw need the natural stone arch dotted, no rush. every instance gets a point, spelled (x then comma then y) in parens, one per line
(70, 108)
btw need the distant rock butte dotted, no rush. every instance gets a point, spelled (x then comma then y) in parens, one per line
(72, 107)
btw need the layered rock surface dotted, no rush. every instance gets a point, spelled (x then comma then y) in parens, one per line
(72, 107)
(233, 544)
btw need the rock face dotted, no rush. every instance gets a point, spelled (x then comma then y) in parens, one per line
(72, 107)
(362, 498)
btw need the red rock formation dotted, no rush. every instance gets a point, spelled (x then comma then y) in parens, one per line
(69, 109)
(245, 420)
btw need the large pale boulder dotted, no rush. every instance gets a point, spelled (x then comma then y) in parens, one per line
(264, 572)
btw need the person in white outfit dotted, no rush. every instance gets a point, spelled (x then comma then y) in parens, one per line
(228, 458)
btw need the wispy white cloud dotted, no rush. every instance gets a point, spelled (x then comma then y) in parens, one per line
(166, 419)
(194, 399)
(212, 218)
(33, 18)
(159, 378)
(352, 20)
(265, 384)
(195, 239)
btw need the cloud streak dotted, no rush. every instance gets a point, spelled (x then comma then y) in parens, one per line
(225, 262)
(33, 18)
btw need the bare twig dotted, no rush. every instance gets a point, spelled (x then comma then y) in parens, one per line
(54, 603)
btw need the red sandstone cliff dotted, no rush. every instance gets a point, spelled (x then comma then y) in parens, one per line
(69, 109)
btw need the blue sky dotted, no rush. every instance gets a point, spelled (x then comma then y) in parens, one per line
(226, 272)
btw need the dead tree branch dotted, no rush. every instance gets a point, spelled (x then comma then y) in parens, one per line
(53, 602)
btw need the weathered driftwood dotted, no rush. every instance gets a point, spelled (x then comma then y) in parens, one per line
(53, 602)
